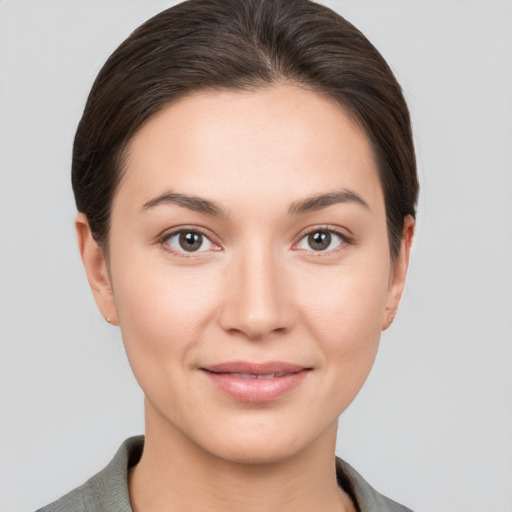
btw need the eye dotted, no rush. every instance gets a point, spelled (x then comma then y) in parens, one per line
(189, 240)
(321, 240)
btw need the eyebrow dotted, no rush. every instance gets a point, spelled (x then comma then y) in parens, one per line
(194, 203)
(208, 207)
(319, 201)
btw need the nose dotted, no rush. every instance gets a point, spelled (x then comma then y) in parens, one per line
(258, 296)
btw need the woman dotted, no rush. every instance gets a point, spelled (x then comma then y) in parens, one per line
(245, 179)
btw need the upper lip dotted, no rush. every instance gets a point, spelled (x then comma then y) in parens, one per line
(254, 368)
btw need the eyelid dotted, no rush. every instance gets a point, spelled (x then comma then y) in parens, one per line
(345, 238)
(166, 235)
(161, 239)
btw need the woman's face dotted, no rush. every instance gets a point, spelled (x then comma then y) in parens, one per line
(249, 269)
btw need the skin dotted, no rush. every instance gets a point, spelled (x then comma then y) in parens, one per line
(256, 291)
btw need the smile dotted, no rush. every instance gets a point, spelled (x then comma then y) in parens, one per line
(255, 376)
(250, 382)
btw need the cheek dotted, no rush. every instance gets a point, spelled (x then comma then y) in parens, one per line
(344, 303)
(162, 310)
(342, 308)
(347, 329)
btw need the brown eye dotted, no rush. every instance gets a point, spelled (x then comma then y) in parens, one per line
(322, 240)
(189, 241)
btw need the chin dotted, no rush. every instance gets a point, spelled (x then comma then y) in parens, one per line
(255, 453)
(268, 444)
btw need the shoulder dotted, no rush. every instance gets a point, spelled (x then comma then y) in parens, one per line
(366, 497)
(108, 489)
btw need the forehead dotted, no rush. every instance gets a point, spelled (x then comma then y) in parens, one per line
(281, 138)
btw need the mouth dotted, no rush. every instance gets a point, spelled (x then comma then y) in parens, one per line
(255, 382)
(257, 376)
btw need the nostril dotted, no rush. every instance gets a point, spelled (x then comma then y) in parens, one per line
(257, 331)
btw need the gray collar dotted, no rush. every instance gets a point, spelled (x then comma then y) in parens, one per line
(107, 491)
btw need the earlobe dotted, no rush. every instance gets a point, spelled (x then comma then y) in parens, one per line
(398, 273)
(95, 264)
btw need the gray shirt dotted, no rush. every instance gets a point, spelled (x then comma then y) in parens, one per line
(107, 491)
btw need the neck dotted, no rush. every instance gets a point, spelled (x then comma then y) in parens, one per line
(176, 474)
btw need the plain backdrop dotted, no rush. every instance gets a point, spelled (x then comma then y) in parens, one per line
(432, 428)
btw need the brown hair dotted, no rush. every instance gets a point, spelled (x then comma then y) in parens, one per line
(241, 44)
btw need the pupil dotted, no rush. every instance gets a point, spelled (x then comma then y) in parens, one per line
(191, 241)
(320, 240)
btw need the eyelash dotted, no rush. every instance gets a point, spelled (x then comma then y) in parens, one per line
(164, 241)
(344, 240)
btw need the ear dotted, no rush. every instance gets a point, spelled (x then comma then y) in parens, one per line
(398, 273)
(96, 268)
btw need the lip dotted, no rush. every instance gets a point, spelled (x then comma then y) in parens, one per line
(255, 382)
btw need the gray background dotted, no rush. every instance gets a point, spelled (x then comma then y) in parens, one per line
(433, 425)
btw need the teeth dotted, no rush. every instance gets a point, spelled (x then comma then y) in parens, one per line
(254, 376)
(245, 375)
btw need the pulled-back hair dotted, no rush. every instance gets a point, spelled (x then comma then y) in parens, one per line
(241, 45)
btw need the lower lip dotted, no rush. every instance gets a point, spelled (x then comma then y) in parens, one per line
(256, 390)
